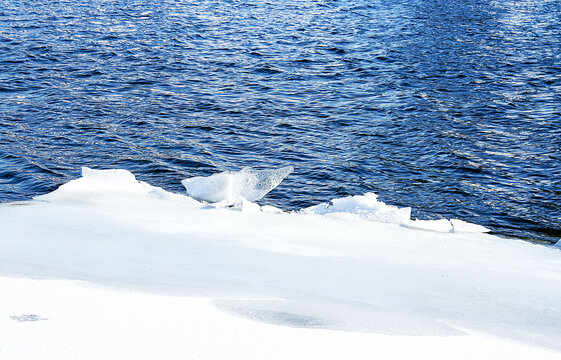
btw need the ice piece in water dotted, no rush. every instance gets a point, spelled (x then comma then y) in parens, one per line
(229, 186)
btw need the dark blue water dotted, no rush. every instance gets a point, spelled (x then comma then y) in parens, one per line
(450, 107)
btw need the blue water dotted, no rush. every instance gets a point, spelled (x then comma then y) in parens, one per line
(450, 107)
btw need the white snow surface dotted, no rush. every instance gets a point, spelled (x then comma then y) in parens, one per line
(176, 278)
(369, 207)
(229, 187)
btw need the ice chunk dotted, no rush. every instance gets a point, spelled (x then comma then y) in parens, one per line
(243, 205)
(367, 206)
(247, 183)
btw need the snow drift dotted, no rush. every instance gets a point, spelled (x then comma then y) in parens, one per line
(350, 266)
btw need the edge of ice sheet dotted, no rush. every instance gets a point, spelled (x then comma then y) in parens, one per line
(238, 190)
(368, 206)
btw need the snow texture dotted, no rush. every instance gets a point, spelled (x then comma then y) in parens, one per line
(81, 321)
(336, 268)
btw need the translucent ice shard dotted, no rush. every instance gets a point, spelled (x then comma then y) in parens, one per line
(230, 186)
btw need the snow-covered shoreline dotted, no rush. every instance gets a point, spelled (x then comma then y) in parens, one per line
(236, 284)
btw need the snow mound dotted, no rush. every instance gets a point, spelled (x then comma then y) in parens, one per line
(100, 185)
(368, 206)
(228, 186)
(95, 182)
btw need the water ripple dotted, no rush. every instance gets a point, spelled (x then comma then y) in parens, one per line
(449, 107)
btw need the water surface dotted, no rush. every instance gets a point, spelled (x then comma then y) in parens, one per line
(450, 107)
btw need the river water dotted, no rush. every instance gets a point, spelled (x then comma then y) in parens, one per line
(450, 107)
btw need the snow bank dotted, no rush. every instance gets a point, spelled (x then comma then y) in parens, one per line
(229, 186)
(304, 275)
(368, 206)
(68, 320)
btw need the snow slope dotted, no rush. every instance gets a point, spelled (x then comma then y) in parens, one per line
(197, 281)
(54, 320)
